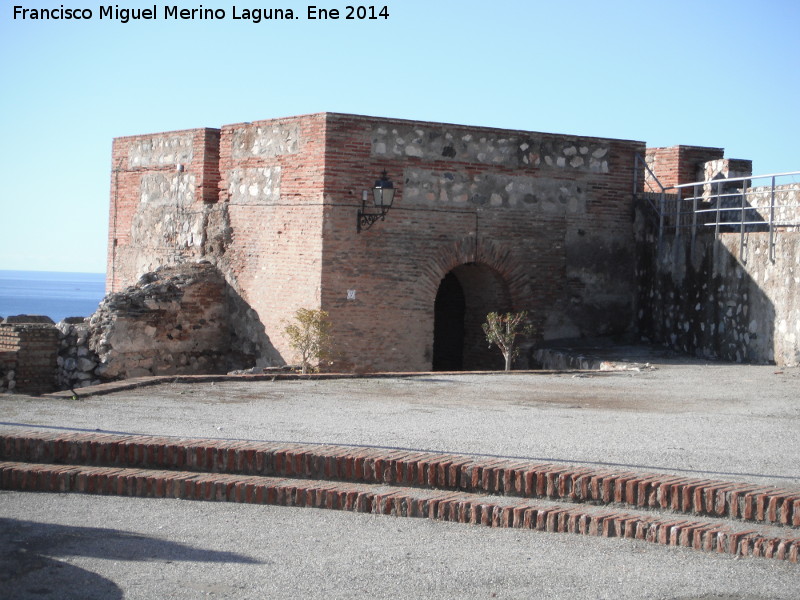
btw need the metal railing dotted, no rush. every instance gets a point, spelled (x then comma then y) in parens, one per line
(726, 205)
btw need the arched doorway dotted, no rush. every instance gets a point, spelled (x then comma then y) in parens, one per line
(448, 329)
(465, 296)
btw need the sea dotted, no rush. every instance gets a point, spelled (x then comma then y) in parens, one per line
(54, 294)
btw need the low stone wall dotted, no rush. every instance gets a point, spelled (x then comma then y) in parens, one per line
(786, 214)
(708, 302)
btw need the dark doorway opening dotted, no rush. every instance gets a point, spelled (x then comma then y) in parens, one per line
(466, 295)
(448, 325)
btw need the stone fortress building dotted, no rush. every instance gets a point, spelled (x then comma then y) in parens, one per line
(483, 219)
(217, 237)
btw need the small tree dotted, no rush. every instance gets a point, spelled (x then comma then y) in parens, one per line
(310, 336)
(502, 331)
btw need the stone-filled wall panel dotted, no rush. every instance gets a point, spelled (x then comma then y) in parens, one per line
(265, 139)
(459, 188)
(432, 142)
(254, 186)
(76, 361)
(167, 189)
(161, 150)
(167, 228)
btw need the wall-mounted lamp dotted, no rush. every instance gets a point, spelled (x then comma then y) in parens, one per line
(382, 197)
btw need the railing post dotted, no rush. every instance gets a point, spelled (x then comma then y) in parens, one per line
(772, 221)
(662, 201)
(741, 222)
(678, 213)
(719, 202)
(694, 220)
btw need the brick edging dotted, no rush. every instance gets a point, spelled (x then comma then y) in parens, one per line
(401, 502)
(142, 382)
(453, 472)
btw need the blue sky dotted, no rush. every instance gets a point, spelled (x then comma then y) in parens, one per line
(721, 74)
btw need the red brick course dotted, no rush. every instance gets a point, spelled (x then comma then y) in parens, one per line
(423, 484)
(400, 502)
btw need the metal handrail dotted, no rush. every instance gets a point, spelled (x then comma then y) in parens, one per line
(731, 179)
(717, 191)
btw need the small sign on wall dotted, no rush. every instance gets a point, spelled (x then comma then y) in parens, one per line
(351, 294)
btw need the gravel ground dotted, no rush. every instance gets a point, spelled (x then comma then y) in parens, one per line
(717, 421)
(71, 546)
(721, 421)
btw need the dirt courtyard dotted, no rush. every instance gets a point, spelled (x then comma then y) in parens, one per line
(686, 417)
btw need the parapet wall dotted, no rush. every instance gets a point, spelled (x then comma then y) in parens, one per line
(677, 165)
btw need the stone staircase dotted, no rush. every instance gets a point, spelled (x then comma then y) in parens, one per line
(715, 516)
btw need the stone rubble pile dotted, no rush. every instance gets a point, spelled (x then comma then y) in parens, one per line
(78, 365)
(175, 320)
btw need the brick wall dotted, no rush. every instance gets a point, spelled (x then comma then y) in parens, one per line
(676, 165)
(29, 350)
(547, 218)
(271, 197)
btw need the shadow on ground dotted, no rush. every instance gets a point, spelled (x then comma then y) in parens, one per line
(33, 565)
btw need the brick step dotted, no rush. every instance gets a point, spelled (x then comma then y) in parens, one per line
(457, 472)
(711, 535)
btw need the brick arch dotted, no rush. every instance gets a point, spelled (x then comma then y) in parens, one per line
(491, 280)
(495, 255)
